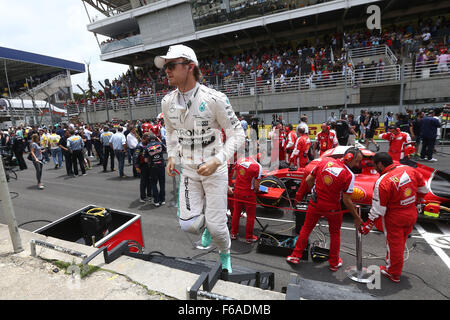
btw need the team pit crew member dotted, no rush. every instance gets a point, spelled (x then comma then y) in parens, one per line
(398, 141)
(248, 174)
(300, 154)
(331, 180)
(291, 138)
(395, 196)
(278, 137)
(194, 116)
(325, 140)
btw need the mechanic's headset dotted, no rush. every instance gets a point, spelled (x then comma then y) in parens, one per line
(351, 153)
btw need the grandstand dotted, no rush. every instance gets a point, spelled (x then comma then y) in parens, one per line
(280, 56)
(33, 84)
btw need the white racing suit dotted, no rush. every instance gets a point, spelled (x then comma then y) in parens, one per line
(194, 136)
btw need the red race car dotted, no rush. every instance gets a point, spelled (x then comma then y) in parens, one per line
(284, 183)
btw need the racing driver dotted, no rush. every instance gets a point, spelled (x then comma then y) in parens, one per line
(331, 180)
(194, 116)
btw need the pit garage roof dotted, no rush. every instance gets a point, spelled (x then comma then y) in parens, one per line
(21, 64)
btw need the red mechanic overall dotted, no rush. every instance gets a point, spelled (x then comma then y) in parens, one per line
(332, 178)
(300, 154)
(248, 172)
(397, 141)
(327, 140)
(395, 196)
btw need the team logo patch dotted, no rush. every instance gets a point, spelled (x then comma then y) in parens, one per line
(329, 164)
(241, 172)
(407, 192)
(328, 180)
(202, 106)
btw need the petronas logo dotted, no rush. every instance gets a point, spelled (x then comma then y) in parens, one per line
(202, 107)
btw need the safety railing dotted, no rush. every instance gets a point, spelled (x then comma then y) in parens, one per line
(249, 86)
(367, 51)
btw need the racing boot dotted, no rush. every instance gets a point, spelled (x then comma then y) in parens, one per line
(206, 238)
(225, 258)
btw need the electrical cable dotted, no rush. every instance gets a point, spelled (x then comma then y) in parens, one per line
(22, 224)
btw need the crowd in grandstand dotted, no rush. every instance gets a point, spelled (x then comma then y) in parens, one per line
(319, 62)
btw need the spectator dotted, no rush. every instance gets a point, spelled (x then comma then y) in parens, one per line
(389, 121)
(428, 133)
(415, 130)
(37, 157)
(118, 144)
(62, 143)
(154, 157)
(55, 149)
(132, 143)
(143, 169)
(98, 146)
(18, 147)
(332, 118)
(44, 144)
(371, 125)
(353, 127)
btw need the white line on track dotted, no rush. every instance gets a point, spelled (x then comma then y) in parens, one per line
(429, 238)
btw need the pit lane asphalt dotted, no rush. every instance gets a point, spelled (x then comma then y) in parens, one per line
(425, 273)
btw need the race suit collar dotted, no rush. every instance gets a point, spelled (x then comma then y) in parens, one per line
(388, 168)
(185, 99)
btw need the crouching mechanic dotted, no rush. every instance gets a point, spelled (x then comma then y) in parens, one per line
(331, 180)
(395, 196)
(194, 116)
(248, 173)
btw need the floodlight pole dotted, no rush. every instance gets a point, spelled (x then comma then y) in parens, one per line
(106, 101)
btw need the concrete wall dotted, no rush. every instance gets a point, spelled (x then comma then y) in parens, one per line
(168, 23)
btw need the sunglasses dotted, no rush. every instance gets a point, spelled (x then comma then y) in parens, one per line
(171, 65)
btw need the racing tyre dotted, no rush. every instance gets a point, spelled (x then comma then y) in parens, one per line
(272, 182)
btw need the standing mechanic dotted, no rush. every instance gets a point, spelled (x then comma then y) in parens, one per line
(248, 173)
(331, 180)
(325, 140)
(398, 140)
(194, 116)
(300, 154)
(397, 192)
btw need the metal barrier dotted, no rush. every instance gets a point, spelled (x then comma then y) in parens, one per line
(250, 86)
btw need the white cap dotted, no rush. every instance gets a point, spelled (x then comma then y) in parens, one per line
(176, 51)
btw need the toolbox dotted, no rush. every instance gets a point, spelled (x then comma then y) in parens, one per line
(118, 226)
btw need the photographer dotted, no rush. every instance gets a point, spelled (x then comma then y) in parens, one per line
(371, 124)
(342, 130)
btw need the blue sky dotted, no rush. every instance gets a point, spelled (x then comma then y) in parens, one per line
(57, 28)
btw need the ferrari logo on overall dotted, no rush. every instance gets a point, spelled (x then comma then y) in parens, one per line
(202, 107)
